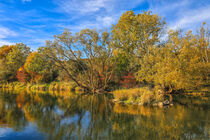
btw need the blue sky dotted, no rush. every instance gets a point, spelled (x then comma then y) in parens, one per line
(34, 21)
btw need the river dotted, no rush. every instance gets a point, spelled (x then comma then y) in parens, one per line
(31, 116)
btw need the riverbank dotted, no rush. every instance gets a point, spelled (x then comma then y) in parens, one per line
(136, 96)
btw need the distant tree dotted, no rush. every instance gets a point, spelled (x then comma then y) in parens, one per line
(17, 57)
(40, 67)
(5, 72)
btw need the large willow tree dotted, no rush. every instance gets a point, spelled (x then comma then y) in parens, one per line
(85, 57)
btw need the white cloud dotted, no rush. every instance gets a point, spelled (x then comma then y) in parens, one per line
(182, 14)
(107, 21)
(193, 17)
(81, 6)
(3, 42)
(5, 32)
(91, 6)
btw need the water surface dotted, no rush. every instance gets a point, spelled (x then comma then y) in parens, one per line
(26, 116)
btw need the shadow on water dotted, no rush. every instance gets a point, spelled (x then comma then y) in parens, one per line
(71, 116)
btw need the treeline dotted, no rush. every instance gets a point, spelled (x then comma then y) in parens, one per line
(137, 51)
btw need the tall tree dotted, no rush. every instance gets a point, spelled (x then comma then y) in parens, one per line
(133, 34)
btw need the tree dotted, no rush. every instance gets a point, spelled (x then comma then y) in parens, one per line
(5, 72)
(182, 63)
(133, 34)
(17, 57)
(40, 67)
(85, 57)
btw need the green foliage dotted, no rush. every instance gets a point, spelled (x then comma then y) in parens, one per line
(40, 67)
(11, 59)
(5, 72)
(17, 57)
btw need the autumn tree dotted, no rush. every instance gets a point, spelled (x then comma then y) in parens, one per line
(85, 57)
(17, 57)
(40, 67)
(5, 72)
(132, 36)
(181, 63)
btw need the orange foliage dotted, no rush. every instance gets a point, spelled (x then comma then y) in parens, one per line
(4, 50)
(22, 75)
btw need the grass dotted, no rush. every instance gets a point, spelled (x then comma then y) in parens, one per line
(13, 86)
(143, 95)
(29, 87)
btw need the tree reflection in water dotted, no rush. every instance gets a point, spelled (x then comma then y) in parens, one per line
(72, 116)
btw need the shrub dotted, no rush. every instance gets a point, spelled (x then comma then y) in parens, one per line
(143, 95)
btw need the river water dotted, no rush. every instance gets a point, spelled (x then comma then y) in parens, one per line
(33, 116)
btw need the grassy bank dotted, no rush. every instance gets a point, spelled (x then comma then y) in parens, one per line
(141, 96)
(54, 86)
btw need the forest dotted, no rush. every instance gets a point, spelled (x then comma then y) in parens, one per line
(139, 54)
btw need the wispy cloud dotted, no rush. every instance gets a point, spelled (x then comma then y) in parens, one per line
(26, 0)
(182, 14)
(192, 17)
(82, 6)
(3, 42)
(5, 32)
(91, 6)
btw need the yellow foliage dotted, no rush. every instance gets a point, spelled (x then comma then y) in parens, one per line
(182, 63)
